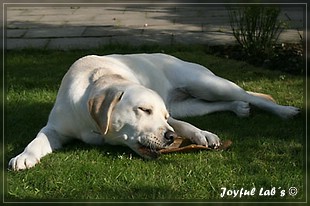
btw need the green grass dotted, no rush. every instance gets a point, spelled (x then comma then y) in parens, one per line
(267, 151)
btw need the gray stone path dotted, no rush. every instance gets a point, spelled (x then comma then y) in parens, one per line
(84, 27)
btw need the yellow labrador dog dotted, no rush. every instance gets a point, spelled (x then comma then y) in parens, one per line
(133, 99)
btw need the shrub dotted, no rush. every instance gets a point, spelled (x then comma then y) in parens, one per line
(256, 29)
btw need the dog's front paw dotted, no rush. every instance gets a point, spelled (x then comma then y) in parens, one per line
(241, 109)
(23, 161)
(206, 138)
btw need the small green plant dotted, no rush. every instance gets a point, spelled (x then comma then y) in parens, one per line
(256, 29)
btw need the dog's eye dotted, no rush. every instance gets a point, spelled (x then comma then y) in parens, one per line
(146, 110)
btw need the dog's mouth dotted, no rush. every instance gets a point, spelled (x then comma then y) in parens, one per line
(150, 152)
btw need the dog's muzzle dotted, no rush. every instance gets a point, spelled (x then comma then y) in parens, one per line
(150, 152)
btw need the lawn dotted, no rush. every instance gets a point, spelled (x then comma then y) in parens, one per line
(267, 154)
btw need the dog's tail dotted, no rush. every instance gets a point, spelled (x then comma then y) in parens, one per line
(264, 96)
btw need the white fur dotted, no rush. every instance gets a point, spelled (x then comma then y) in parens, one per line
(158, 82)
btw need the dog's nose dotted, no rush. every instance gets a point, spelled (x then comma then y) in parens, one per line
(170, 135)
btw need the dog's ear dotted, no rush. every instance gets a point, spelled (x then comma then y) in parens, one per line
(100, 107)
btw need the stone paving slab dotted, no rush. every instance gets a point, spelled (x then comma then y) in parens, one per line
(210, 38)
(25, 43)
(173, 28)
(109, 31)
(138, 40)
(54, 32)
(77, 43)
(66, 27)
(16, 33)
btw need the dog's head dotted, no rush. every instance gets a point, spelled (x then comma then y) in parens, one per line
(134, 116)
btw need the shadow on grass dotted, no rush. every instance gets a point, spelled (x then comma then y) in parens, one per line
(125, 195)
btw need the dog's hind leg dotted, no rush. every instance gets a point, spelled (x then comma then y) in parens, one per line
(211, 88)
(196, 107)
(46, 141)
